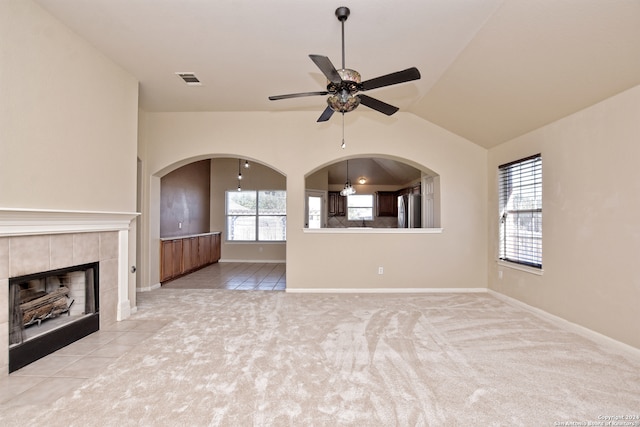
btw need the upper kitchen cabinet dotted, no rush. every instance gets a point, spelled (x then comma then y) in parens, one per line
(387, 203)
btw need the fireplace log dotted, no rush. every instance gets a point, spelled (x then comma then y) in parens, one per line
(50, 305)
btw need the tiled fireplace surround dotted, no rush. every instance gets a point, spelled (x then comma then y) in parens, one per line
(33, 241)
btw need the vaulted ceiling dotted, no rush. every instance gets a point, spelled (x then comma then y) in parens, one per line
(491, 69)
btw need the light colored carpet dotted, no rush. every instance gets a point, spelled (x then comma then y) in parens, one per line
(236, 358)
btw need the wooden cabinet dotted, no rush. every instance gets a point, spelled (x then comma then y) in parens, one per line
(386, 203)
(204, 249)
(190, 256)
(170, 259)
(183, 255)
(337, 204)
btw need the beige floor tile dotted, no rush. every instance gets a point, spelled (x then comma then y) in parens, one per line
(112, 350)
(11, 386)
(87, 367)
(47, 366)
(47, 392)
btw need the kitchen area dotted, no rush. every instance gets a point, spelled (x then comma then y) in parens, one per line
(373, 193)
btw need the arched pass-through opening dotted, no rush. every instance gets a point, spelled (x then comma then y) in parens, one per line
(192, 197)
(372, 192)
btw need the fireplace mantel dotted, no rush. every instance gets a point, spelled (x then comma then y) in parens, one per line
(24, 222)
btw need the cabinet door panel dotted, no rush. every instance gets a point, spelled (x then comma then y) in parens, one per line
(204, 249)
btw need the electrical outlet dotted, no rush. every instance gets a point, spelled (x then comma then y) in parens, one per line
(179, 225)
(380, 270)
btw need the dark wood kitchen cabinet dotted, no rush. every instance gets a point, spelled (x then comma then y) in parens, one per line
(337, 204)
(170, 259)
(386, 203)
(182, 255)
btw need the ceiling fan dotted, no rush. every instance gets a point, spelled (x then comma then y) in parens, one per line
(345, 84)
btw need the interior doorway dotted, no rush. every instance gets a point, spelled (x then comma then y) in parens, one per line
(315, 212)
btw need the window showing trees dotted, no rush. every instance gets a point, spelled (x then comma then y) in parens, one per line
(256, 215)
(360, 207)
(520, 200)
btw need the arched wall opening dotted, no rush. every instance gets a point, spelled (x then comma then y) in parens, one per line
(181, 193)
(381, 180)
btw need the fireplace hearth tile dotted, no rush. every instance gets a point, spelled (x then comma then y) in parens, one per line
(87, 367)
(47, 366)
(55, 389)
(112, 350)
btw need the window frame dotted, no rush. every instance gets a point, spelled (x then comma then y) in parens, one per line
(256, 215)
(372, 207)
(520, 212)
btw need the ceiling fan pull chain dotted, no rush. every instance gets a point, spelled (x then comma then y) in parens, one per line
(343, 146)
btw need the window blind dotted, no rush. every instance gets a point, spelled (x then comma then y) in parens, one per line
(520, 203)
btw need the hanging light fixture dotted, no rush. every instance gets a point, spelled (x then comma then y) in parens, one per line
(246, 164)
(239, 176)
(362, 180)
(348, 188)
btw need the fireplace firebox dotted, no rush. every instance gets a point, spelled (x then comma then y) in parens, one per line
(50, 310)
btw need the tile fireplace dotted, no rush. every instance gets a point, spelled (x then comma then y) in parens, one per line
(66, 247)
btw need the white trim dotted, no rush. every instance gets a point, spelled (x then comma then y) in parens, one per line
(21, 222)
(384, 290)
(149, 288)
(124, 305)
(263, 261)
(516, 266)
(365, 230)
(585, 332)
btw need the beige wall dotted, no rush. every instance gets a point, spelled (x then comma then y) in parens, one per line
(591, 218)
(295, 145)
(68, 118)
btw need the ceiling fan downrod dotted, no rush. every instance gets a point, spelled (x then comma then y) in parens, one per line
(342, 13)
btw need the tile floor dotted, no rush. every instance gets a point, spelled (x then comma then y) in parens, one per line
(234, 275)
(68, 368)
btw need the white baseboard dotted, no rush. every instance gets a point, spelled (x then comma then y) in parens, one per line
(585, 332)
(261, 261)
(149, 288)
(384, 290)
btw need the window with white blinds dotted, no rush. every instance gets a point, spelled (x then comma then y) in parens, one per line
(520, 200)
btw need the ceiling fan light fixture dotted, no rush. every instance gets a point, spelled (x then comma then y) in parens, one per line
(342, 103)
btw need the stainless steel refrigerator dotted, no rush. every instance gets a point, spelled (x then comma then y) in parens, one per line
(409, 211)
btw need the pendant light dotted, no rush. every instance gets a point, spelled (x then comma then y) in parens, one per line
(239, 176)
(348, 188)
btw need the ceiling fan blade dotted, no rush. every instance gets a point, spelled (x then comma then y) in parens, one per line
(377, 105)
(392, 79)
(326, 114)
(297, 95)
(327, 68)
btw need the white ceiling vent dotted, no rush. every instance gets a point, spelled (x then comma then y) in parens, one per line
(190, 79)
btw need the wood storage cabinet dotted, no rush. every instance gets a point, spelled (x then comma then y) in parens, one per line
(182, 255)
